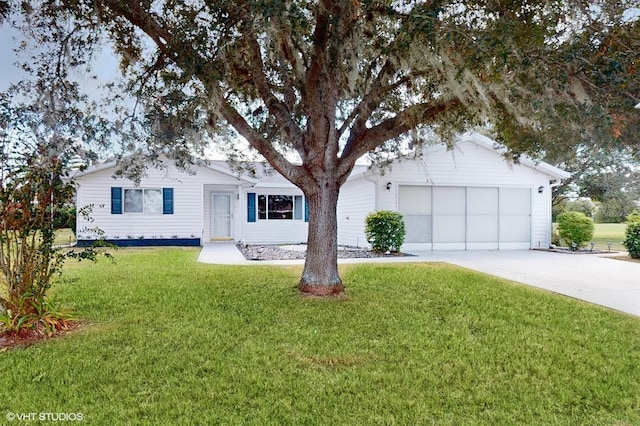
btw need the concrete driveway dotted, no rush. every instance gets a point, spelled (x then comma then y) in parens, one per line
(600, 280)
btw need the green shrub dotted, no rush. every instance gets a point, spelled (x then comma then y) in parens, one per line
(575, 228)
(634, 216)
(385, 231)
(632, 239)
(555, 238)
(65, 217)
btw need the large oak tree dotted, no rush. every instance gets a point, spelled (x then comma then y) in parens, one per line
(334, 80)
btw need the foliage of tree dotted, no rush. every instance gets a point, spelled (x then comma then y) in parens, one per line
(566, 205)
(331, 81)
(385, 231)
(607, 175)
(575, 229)
(615, 209)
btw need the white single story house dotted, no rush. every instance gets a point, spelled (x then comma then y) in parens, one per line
(461, 199)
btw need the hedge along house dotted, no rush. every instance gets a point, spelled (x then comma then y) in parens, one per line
(171, 206)
(462, 199)
(466, 198)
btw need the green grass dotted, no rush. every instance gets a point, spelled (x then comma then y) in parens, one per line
(171, 341)
(64, 236)
(613, 233)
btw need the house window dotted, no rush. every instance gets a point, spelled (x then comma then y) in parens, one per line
(280, 207)
(143, 201)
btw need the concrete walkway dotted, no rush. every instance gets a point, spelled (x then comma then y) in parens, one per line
(600, 280)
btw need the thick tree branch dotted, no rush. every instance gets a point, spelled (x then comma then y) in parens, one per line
(133, 12)
(256, 140)
(369, 103)
(368, 139)
(276, 107)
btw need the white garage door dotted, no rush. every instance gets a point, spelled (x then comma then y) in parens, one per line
(466, 218)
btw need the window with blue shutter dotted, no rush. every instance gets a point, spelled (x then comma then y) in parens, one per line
(306, 210)
(116, 200)
(167, 200)
(251, 207)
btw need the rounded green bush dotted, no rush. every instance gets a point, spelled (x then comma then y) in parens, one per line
(385, 231)
(575, 228)
(632, 239)
(634, 216)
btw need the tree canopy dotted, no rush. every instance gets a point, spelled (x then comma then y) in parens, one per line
(332, 81)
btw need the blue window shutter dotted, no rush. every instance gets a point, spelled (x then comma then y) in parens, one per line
(116, 200)
(306, 210)
(167, 200)
(251, 206)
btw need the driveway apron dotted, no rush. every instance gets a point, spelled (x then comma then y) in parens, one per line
(600, 280)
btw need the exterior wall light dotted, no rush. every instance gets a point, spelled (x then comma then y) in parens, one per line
(540, 189)
(388, 186)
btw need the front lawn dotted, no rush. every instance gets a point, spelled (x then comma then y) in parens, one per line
(609, 233)
(64, 236)
(169, 341)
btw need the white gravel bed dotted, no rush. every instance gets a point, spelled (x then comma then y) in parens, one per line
(299, 251)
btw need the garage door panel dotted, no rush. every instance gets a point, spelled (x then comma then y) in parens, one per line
(515, 229)
(515, 217)
(448, 201)
(449, 229)
(482, 229)
(515, 201)
(417, 228)
(414, 200)
(482, 201)
(414, 203)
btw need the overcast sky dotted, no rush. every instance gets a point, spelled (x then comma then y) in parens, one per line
(8, 72)
(105, 67)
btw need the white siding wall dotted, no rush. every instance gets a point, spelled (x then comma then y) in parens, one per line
(356, 201)
(264, 231)
(470, 165)
(188, 206)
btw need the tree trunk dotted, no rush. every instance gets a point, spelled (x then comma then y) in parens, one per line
(320, 275)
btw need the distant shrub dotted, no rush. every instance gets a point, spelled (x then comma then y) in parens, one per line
(65, 217)
(632, 239)
(385, 231)
(575, 228)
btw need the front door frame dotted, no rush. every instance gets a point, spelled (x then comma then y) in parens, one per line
(214, 237)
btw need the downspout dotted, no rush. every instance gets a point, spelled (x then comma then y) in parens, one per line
(375, 189)
(552, 184)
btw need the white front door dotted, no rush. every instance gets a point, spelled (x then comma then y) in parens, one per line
(220, 216)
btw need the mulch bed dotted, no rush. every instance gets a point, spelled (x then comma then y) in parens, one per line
(28, 336)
